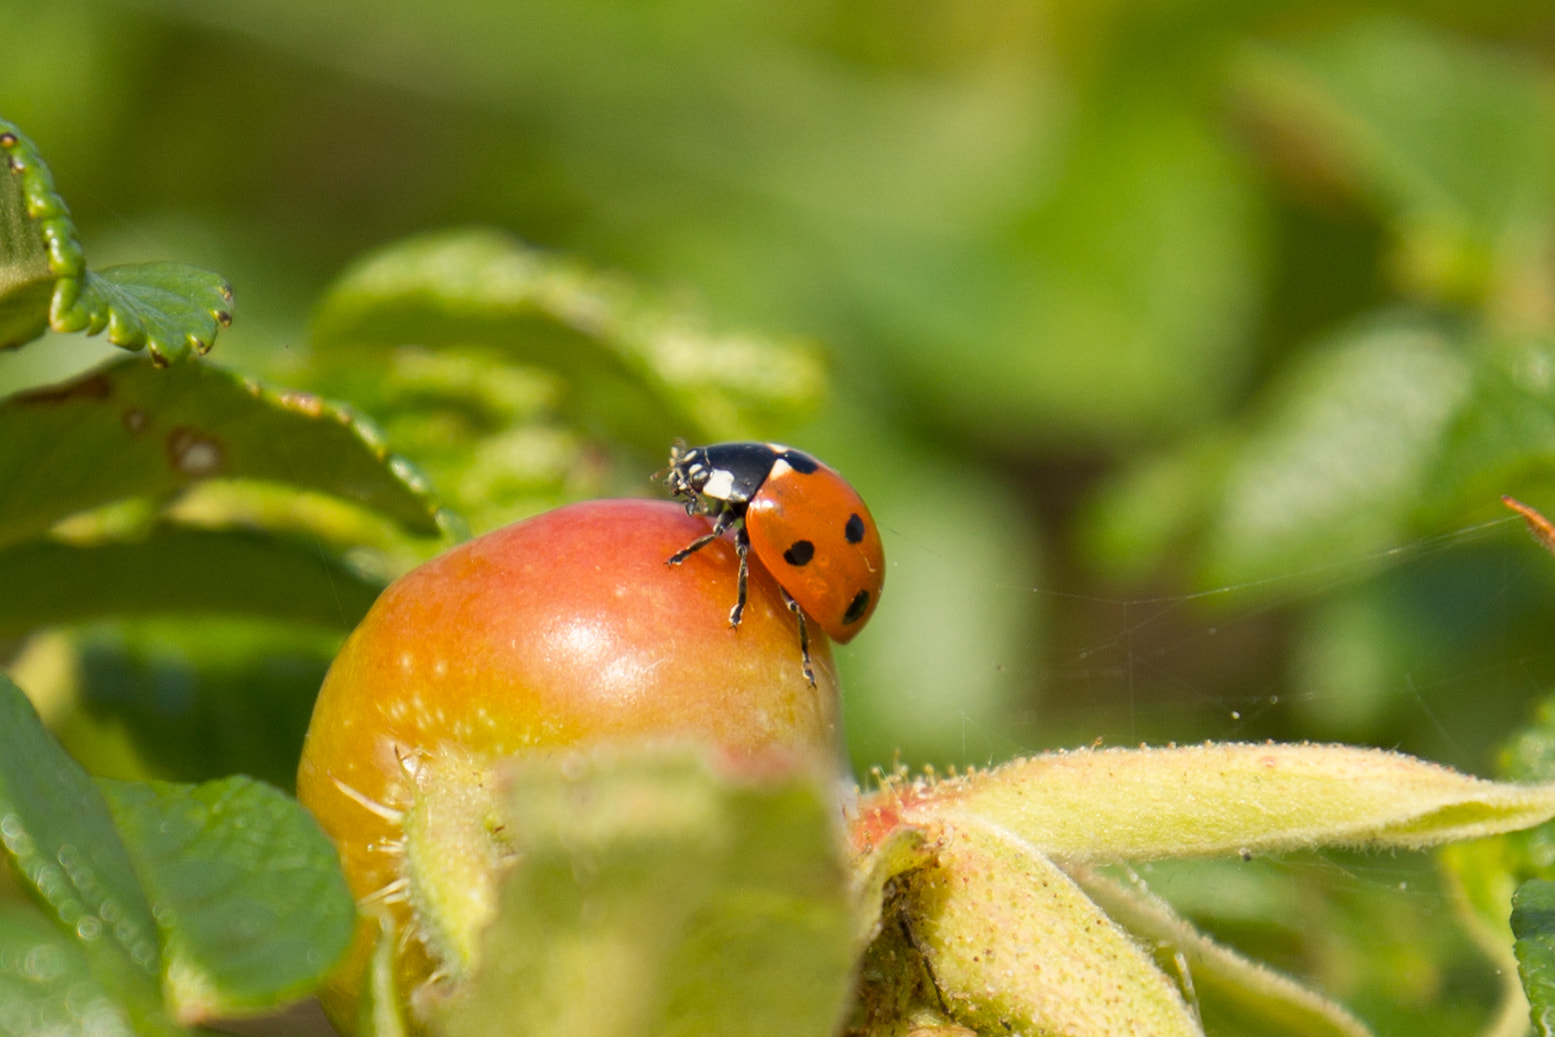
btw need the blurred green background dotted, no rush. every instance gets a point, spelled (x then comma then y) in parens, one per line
(1123, 303)
(1182, 349)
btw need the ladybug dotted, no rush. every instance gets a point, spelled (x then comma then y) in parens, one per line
(807, 525)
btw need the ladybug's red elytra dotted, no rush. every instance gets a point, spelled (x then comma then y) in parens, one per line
(807, 525)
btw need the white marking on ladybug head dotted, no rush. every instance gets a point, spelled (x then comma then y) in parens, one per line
(780, 467)
(719, 485)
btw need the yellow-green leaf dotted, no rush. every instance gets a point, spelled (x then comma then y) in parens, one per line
(1217, 799)
(1016, 947)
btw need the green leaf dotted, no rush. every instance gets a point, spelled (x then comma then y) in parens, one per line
(1143, 515)
(60, 837)
(635, 370)
(1503, 433)
(487, 430)
(205, 699)
(129, 429)
(1456, 142)
(653, 897)
(175, 569)
(1340, 460)
(1112, 302)
(46, 981)
(247, 890)
(1533, 926)
(26, 282)
(1227, 798)
(168, 309)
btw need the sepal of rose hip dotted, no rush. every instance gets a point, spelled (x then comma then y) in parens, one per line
(636, 882)
(996, 900)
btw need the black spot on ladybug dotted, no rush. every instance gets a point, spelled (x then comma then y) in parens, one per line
(856, 608)
(804, 464)
(799, 553)
(854, 529)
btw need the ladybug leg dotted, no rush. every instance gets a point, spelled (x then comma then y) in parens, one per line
(721, 525)
(804, 637)
(742, 546)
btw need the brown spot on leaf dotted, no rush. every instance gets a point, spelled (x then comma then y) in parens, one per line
(306, 402)
(7, 140)
(135, 421)
(193, 453)
(93, 387)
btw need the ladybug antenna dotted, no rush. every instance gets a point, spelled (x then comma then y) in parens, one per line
(677, 453)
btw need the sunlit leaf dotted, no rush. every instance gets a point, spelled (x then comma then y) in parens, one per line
(1226, 798)
(62, 842)
(1145, 513)
(643, 372)
(1341, 457)
(168, 309)
(491, 433)
(1114, 302)
(129, 429)
(246, 888)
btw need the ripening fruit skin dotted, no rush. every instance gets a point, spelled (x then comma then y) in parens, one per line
(562, 630)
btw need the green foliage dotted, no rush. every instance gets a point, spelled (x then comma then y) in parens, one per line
(1533, 925)
(167, 309)
(46, 981)
(1451, 141)
(1176, 347)
(171, 568)
(248, 894)
(197, 701)
(129, 430)
(503, 367)
(174, 902)
(61, 840)
(653, 896)
(1300, 493)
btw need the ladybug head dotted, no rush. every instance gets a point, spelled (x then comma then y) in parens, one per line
(687, 472)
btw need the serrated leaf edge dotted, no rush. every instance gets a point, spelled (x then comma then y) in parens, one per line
(67, 262)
